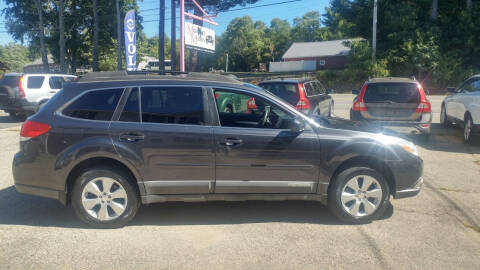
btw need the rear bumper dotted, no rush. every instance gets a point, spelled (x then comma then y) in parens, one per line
(18, 105)
(422, 127)
(60, 196)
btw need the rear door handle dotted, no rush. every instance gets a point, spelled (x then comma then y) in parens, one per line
(232, 141)
(131, 137)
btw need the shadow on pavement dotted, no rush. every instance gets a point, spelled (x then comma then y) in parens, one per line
(8, 119)
(450, 139)
(20, 209)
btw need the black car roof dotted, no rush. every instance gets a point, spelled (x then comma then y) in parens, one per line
(139, 76)
(102, 80)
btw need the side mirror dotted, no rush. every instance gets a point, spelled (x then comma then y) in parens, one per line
(355, 92)
(330, 91)
(298, 125)
(451, 89)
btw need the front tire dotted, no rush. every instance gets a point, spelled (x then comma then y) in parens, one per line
(468, 129)
(358, 195)
(105, 198)
(444, 118)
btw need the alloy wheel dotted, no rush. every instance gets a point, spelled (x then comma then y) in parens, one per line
(361, 196)
(104, 198)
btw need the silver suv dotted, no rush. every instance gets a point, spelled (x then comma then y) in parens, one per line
(24, 94)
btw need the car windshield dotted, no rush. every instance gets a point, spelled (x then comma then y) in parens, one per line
(285, 91)
(392, 93)
(11, 81)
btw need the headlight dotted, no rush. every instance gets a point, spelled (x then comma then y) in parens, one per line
(404, 144)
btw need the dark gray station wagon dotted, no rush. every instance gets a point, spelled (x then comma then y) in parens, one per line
(112, 141)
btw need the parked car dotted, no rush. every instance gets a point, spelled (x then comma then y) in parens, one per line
(462, 107)
(307, 95)
(108, 144)
(393, 102)
(24, 94)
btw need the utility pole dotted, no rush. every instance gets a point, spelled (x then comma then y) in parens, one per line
(173, 53)
(161, 37)
(226, 64)
(182, 36)
(374, 31)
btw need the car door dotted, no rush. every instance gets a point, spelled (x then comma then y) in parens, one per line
(456, 104)
(163, 131)
(469, 96)
(258, 153)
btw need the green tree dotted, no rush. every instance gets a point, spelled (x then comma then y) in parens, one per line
(308, 28)
(244, 44)
(14, 56)
(279, 35)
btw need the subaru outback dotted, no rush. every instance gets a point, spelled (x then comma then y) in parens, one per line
(112, 141)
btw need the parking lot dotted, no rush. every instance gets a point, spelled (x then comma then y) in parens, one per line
(438, 229)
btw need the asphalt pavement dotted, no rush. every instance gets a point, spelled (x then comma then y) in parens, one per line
(438, 229)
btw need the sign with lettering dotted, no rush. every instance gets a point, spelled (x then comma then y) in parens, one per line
(199, 38)
(130, 40)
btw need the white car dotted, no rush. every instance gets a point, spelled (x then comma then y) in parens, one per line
(462, 107)
(24, 94)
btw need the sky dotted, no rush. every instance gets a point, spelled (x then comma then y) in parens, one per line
(148, 9)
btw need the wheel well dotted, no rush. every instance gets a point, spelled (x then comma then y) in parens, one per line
(97, 162)
(370, 162)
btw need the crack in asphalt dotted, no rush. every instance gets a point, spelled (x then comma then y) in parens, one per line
(470, 221)
(375, 248)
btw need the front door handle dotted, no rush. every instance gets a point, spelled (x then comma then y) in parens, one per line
(130, 137)
(232, 141)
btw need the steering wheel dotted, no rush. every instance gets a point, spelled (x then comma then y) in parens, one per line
(266, 118)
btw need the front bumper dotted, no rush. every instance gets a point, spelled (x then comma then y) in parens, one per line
(408, 175)
(410, 192)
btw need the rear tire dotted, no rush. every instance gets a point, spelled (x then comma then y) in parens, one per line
(17, 116)
(109, 201)
(358, 195)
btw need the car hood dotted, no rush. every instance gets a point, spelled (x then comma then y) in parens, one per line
(361, 126)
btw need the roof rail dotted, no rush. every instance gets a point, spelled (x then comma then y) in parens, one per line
(159, 72)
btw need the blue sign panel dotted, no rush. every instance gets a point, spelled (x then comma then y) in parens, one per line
(130, 40)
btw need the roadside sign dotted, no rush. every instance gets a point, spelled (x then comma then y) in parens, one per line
(199, 38)
(130, 40)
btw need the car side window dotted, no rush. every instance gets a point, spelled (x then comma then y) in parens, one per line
(243, 110)
(35, 82)
(172, 105)
(56, 82)
(131, 110)
(94, 105)
(476, 86)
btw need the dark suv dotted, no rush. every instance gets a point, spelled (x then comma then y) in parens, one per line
(112, 141)
(307, 95)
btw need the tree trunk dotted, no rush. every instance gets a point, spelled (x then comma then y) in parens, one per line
(434, 10)
(61, 29)
(119, 36)
(95, 37)
(469, 4)
(42, 36)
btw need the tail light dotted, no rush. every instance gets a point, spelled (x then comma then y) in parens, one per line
(251, 105)
(424, 106)
(359, 104)
(21, 91)
(303, 103)
(32, 129)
